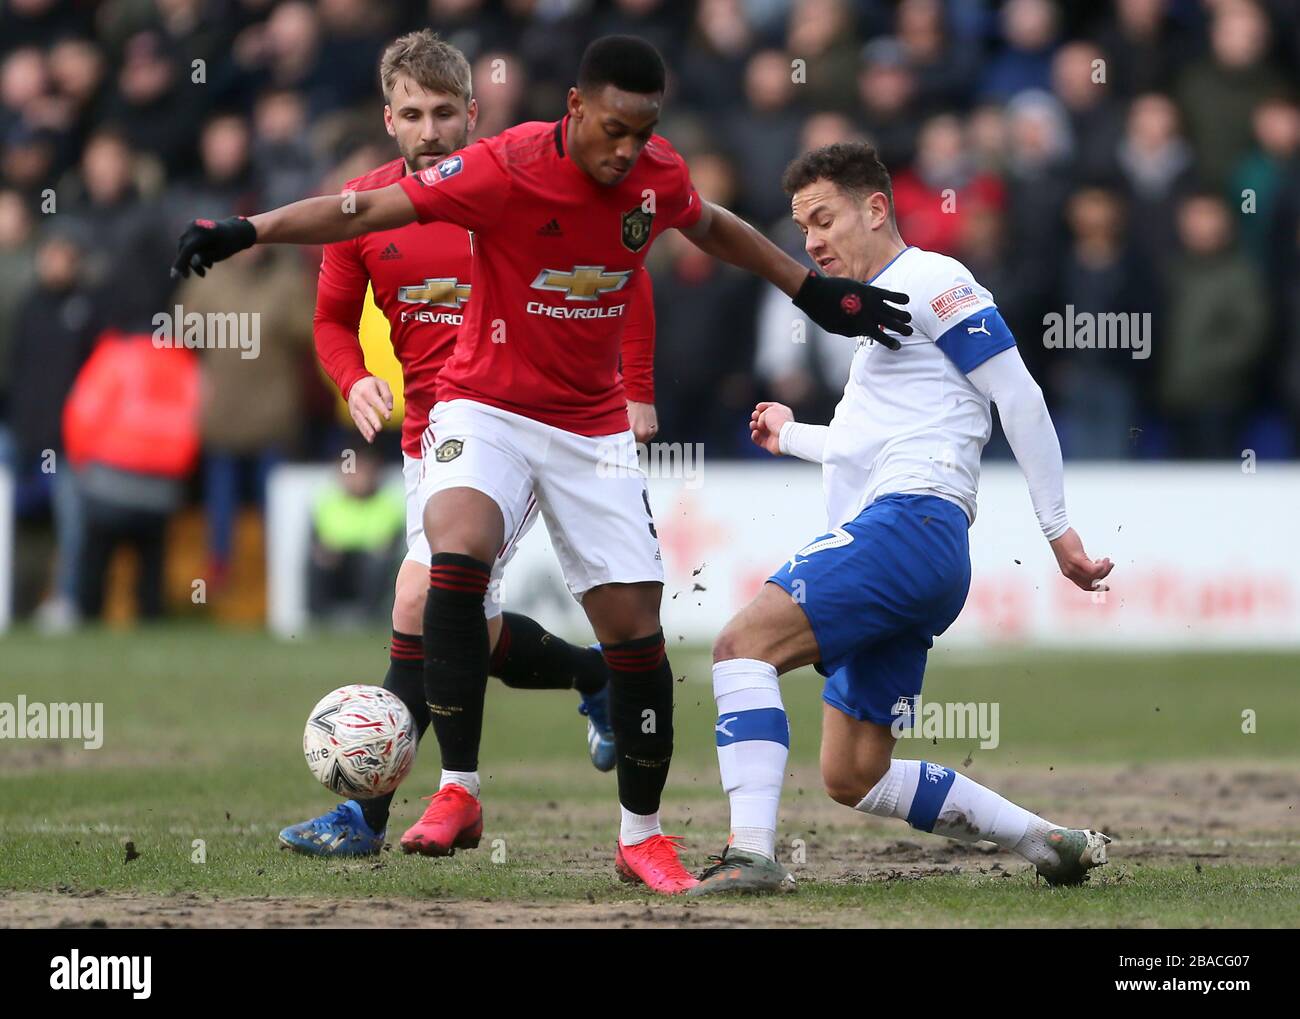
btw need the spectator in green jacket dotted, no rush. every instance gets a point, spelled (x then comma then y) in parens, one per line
(1216, 332)
(358, 536)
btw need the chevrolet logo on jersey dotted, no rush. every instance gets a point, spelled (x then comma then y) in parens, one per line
(447, 292)
(582, 282)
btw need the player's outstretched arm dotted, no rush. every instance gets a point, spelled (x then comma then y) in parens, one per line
(1005, 380)
(841, 306)
(319, 220)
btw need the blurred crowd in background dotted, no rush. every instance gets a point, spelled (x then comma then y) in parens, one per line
(1133, 156)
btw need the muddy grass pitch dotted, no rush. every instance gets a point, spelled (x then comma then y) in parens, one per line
(172, 821)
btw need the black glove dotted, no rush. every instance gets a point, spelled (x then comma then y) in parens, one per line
(850, 308)
(205, 242)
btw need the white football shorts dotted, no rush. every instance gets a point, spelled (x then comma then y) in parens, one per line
(590, 490)
(417, 545)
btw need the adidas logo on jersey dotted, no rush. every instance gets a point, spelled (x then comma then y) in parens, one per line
(551, 229)
(390, 252)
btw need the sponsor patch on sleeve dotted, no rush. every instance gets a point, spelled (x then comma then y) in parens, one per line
(955, 300)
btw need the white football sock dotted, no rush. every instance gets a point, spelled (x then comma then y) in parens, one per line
(466, 779)
(753, 736)
(1033, 846)
(939, 800)
(634, 828)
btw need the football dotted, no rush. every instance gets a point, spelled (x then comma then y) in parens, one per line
(359, 741)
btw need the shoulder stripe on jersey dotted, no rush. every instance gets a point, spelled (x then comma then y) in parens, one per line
(976, 338)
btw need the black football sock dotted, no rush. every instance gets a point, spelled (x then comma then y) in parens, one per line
(406, 679)
(641, 712)
(528, 658)
(456, 656)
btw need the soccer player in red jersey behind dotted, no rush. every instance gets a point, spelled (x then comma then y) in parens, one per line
(421, 281)
(529, 403)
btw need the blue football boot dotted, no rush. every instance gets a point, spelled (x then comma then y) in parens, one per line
(600, 734)
(341, 832)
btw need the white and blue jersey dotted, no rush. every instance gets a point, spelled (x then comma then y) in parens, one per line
(900, 471)
(910, 419)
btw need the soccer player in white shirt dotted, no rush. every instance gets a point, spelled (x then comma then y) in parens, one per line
(901, 461)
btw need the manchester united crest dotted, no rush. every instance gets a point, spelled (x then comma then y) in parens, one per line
(449, 450)
(636, 228)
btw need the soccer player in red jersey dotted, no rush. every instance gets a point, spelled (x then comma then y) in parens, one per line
(529, 403)
(421, 281)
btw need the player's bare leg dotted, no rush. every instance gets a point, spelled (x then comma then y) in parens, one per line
(771, 628)
(625, 618)
(408, 597)
(859, 771)
(769, 636)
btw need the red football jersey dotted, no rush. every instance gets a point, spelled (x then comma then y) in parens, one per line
(555, 263)
(421, 280)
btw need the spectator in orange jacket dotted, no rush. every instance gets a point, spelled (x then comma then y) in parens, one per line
(131, 432)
